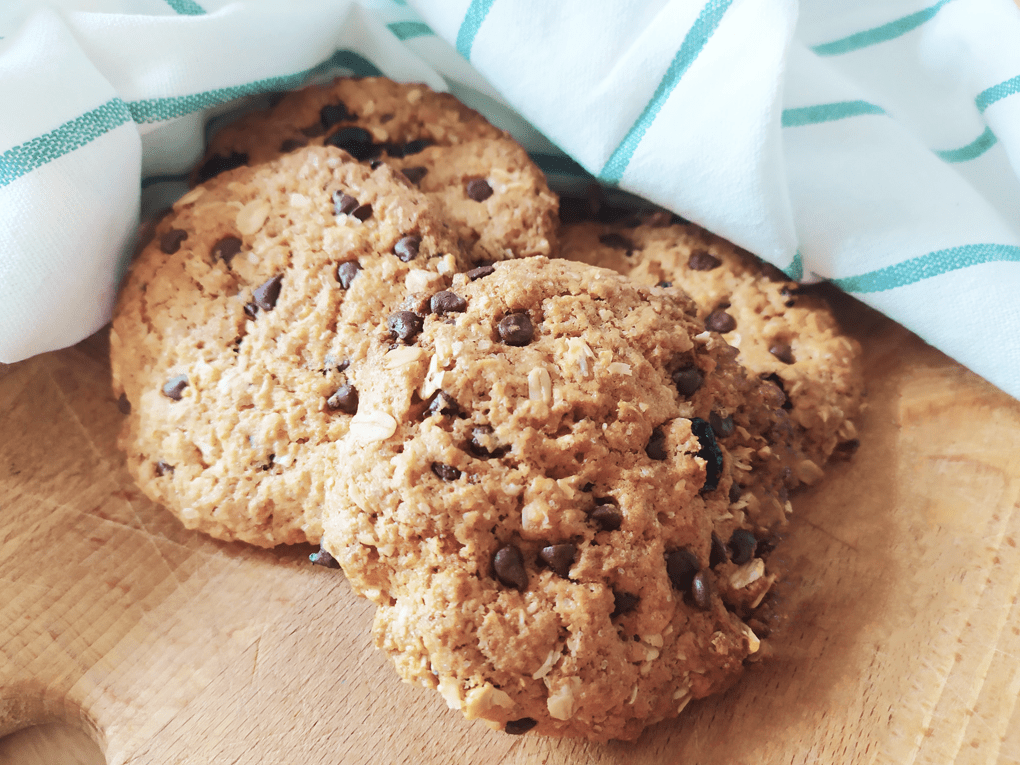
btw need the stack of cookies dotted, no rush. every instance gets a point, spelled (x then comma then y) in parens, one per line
(554, 456)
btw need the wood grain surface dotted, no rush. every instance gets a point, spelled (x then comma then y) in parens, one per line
(901, 646)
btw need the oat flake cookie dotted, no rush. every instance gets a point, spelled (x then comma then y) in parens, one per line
(789, 338)
(544, 520)
(484, 183)
(242, 325)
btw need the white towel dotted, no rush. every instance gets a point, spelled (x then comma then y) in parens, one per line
(875, 143)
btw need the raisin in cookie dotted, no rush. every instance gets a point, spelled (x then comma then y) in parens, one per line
(542, 516)
(240, 324)
(789, 338)
(483, 181)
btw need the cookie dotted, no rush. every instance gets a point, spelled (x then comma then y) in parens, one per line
(540, 507)
(482, 180)
(784, 336)
(240, 324)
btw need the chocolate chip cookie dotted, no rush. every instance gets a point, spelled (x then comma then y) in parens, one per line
(482, 180)
(240, 326)
(783, 335)
(538, 493)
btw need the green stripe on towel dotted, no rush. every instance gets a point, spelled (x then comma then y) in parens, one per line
(997, 92)
(408, 30)
(473, 19)
(186, 7)
(26, 157)
(796, 268)
(695, 40)
(880, 34)
(811, 115)
(926, 266)
(972, 150)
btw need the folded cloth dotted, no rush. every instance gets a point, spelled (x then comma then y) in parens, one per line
(875, 144)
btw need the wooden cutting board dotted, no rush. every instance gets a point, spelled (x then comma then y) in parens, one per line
(902, 643)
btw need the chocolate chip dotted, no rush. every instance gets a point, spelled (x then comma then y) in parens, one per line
(164, 468)
(331, 114)
(607, 515)
(701, 260)
(226, 248)
(516, 329)
(323, 558)
(623, 603)
(559, 558)
(735, 492)
(345, 400)
(123, 405)
(681, 566)
(407, 248)
(344, 203)
(375, 164)
(709, 451)
(775, 395)
(346, 272)
(443, 404)
(701, 590)
(415, 146)
(517, 727)
(415, 174)
(478, 189)
(267, 293)
(743, 544)
(170, 242)
(782, 351)
(688, 379)
(219, 164)
(363, 213)
(847, 449)
(355, 141)
(720, 321)
(721, 426)
(617, 242)
(480, 436)
(508, 563)
(478, 273)
(291, 144)
(656, 448)
(174, 387)
(404, 325)
(447, 302)
(588, 487)
(250, 310)
(717, 554)
(446, 472)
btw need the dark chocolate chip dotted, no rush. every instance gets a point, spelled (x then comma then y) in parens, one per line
(617, 242)
(170, 242)
(346, 272)
(508, 564)
(688, 379)
(721, 426)
(709, 451)
(251, 310)
(363, 213)
(478, 273)
(718, 552)
(481, 435)
(701, 590)
(559, 558)
(174, 387)
(164, 468)
(443, 404)
(607, 515)
(446, 472)
(516, 329)
(702, 260)
(783, 352)
(345, 399)
(623, 603)
(742, 545)
(291, 144)
(415, 174)
(331, 114)
(681, 566)
(375, 164)
(323, 558)
(776, 396)
(588, 487)
(355, 141)
(735, 492)
(407, 248)
(226, 248)
(478, 189)
(344, 203)
(847, 449)
(447, 302)
(656, 448)
(404, 325)
(267, 293)
(415, 146)
(219, 164)
(517, 727)
(720, 321)
(123, 404)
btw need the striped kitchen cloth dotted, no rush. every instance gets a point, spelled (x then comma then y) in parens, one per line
(875, 144)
